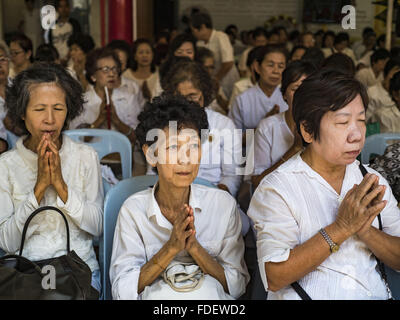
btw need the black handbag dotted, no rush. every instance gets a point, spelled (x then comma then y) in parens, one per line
(303, 294)
(22, 279)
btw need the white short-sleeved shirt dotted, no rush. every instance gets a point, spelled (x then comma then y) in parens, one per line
(388, 118)
(239, 87)
(378, 98)
(153, 82)
(367, 77)
(46, 236)
(127, 105)
(272, 140)
(252, 105)
(222, 49)
(142, 230)
(221, 152)
(291, 205)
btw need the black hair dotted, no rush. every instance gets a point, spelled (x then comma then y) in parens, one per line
(266, 50)
(135, 47)
(203, 53)
(165, 108)
(199, 18)
(395, 52)
(394, 62)
(315, 56)
(323, 91)
(83, 41)
(295, 48)
(327, 34)
(252, 56)
(341, 37)
(125, 47)
(380, 54)
(294, 71)
(18, 93)
(188, 70)
(394, 83)
(57, 3)
(340, 62)
(46, 53)
(260, 31)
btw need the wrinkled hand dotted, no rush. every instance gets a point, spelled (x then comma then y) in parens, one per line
(56, 178)
(43, 179)
(181, 230)
(191, 241)
(273, 111)
(361, 205)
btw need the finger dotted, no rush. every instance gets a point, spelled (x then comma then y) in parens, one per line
(38, 148)
(374, 210)
(364, 186)
(53, 147)
(371, 196)
(188, 233)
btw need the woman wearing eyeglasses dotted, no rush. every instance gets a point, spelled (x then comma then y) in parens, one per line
(103, 70)
(21, 52)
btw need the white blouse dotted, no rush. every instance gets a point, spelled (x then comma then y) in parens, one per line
(291, 205)
(252, 105)
(142, 230)
(127, 105)
(378, 98)
(46, 236)
(272, 140)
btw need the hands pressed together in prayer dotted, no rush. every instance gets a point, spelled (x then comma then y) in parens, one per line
(49, 170)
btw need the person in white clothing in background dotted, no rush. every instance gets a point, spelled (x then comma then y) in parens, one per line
(218, 42)
(370, 76)
(46, 168)
(316, 215)
(276, 138)
(257, 102)
(176, 222)
(221, 152)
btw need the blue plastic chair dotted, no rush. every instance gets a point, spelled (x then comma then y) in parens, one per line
(376, 144)
(11, 139)
(112, 204)
(106, 142)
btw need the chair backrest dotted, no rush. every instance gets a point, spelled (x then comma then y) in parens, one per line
(376, 144)
(106, 142)
(112, 204)
(11, 139)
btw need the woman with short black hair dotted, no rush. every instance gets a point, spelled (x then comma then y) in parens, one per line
(177, 224)
(46, 168)
(21, 52)
(316, 215)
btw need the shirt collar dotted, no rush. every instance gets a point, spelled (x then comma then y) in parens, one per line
(153, 209)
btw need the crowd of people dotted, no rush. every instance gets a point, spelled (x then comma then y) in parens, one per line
(294, 186)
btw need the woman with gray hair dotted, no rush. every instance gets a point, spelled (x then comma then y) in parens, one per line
(325, 223)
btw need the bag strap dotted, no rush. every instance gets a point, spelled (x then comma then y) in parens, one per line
(300, 291)
(37, 211)
(20, 258)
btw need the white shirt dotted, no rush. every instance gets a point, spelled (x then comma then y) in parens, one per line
(221, 153)
(272, 140)
(3, 132)
(366, 59)
(3, 113)
(153, 82)
(252, 105)
(61, 34)
(388, 118)
(367, 77)
(142, 230)
(222, 49)
(378, 98)
(291, 205)
(127, 105)
(239, 87)
(46, 236)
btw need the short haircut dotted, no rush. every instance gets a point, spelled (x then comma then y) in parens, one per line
(394, 62)
(192, 71)
(323, 91)
(266, 50)
(83, 41)
(24, 42)
(200, 18)
(135, 48)
(46, 53)
(341, 37)
(380, 54)
(327, 34)
(94, 56)
(165, 108)
(125, 47)
(252, 56)
(341, 62)
(367, 30)
(179, 40)
(295, 48)
(315, 56)
(294, 71)
(260, 31)
(57, 3)
(18, 93)
(394, 83)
